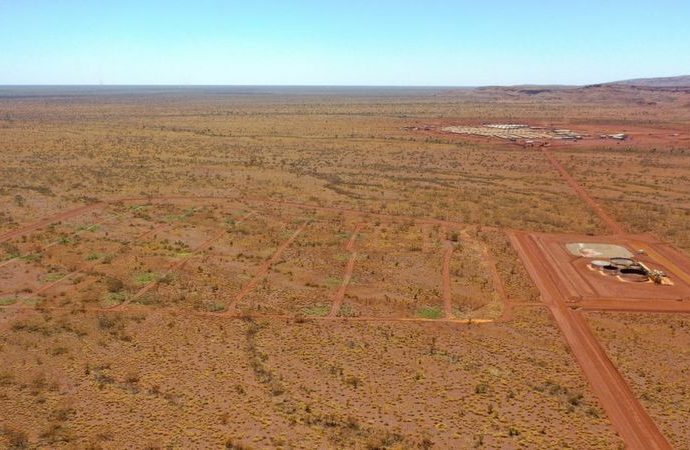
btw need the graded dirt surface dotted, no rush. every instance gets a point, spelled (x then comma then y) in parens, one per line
(660, 382)
(623, 408)
(577, 281)
(209, 268)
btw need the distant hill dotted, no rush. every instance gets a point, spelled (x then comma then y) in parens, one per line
(682, 81)
(679, 83)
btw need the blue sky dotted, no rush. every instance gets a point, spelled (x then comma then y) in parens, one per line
(354, 42)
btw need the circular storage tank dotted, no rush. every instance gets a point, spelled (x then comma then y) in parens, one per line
(634, 274)
(599, 264)
(610, 269)
(622, 262)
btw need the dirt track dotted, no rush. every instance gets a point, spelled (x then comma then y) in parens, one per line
(615, 227)
(447, 292)
(265, 267)
(178, 265)
(21, 231)
(174, 267)
(340, 294)
(626, 413)
(263, 270)
(507, 314)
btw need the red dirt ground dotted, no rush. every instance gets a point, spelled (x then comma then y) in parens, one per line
(564, 282)
(625, 411)
(576, 282)
(562, 278)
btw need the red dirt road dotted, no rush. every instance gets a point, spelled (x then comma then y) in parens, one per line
(625, 411)
(265, 267)
(627, 415)
(615, 227)
(172, 268)
(49, 220)
(622, 407)
(177, 265)
(447, 292)
(340, 294)
(507, 314)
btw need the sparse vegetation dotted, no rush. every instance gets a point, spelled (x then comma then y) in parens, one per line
(203, 246)
(430, 312)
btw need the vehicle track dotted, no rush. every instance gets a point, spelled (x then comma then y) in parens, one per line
(265, 267)
(76, 233)
(447, 289)
(626, 413)
(421, 220)
(4, 237)
(507, 314)
(177, 265)
(340, 294)
(611, 223)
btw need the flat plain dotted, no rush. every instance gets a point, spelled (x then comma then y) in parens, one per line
(315, 268)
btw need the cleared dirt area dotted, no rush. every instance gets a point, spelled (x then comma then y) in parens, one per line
(577, 281)
(628, 416)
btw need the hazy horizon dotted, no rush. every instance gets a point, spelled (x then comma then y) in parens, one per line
(401, 86)
(307, 43)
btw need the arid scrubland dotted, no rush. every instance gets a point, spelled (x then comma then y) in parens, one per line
(646, 189)
(298, 269)
(318, 150)
(159, 379)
